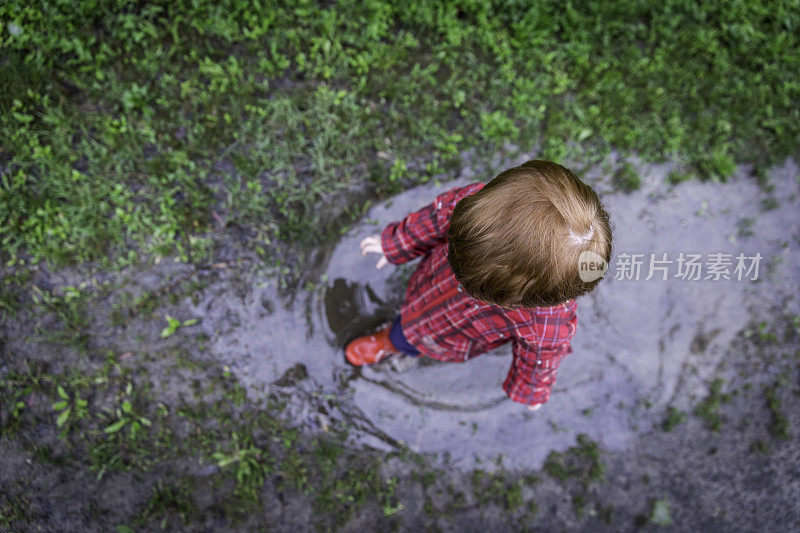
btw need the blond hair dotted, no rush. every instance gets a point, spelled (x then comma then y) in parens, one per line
(517, 241)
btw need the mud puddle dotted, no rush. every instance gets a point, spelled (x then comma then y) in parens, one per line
(641, 344)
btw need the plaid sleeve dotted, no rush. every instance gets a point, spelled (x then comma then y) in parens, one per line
(533, 370)
(419, 231)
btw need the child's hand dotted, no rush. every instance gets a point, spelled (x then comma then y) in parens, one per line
(534, 407)
(373, 244)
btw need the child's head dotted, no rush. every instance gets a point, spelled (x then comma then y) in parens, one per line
(517, 241)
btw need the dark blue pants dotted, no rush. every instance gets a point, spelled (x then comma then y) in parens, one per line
(399, 340)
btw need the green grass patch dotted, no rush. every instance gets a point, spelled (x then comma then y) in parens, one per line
(779, 425)
(673, 418)
(169, 504)
(121, 428)
(12, 509)
(130, 133)
(627, 179)
(71, 315)
(495, 487)
(581, 462)
(576, 468)
(708, 409)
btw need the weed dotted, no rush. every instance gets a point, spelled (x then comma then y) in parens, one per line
(759, 446)
(251, 465)
(184, 360)
(770, 203)
(762, 333)
(390, 508)
(13, 283)
(70, 311)
(70, 409)
(326, 452)
(627, 179)
(744, 227)
(12, 509)
(676, 176)
(165, 502)
(581, 462)
(173, 324)
(513, 497)
(13, 404)
(672, 419)
(494, 487)
(579, 504)
(708, 409)
(531, 480)
(606, 514)
(237, 395)
(533, 507)
(779, 426)
(294, 469)
(458, 500)
(118, 453)
(427, 478)
(429, 509)
(341, 495)
(124, 416)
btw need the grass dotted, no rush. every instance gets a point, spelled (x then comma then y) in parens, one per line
(12, 509)
(69, 310)
(167, 503)
(673, 418)
(132, 133)
(708, 409)
(495, 487)
(779, 424)
(581, 462)
(251, 465)
(578, 467)
(13, 284)
(759, 446)
(348, 488)
(763, 332)
(626, 178)
(122, 428)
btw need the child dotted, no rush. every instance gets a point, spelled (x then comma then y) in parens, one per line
(500, 263)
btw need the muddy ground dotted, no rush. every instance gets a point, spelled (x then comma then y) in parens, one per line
(677, 410)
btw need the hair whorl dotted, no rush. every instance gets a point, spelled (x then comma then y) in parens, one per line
(517, 241)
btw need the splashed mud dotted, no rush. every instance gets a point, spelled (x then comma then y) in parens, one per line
(641, 345)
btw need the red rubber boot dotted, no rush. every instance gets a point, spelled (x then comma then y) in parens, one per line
(371, 349)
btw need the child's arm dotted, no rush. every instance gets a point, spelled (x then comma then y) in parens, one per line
(421, 230)
(533, 370)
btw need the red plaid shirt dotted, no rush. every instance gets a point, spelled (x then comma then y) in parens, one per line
(445, 323)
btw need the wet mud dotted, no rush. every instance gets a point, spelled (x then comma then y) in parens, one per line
(641, 345)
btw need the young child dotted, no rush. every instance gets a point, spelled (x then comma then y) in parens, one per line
(500, 263)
